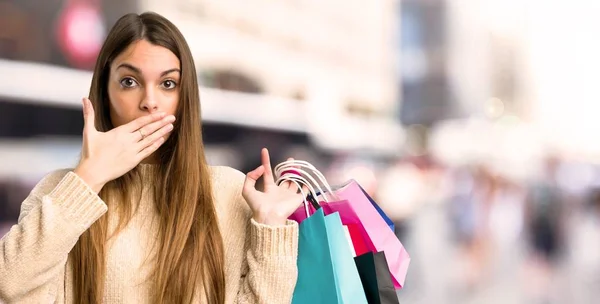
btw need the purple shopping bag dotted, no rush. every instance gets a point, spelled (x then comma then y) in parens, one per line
(355, 207)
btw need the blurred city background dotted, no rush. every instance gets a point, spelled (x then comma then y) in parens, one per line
(472, 123)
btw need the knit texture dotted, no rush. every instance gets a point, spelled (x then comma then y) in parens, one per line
(260, 260)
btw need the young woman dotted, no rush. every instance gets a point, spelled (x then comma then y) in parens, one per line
(142, 218)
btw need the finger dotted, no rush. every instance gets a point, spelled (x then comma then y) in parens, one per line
(150, 149)
(252, 177)
(150, 139)
(266, 163)
(88, 116)
(293, 187)
(153, 127)
(138, 123)
(285, 184)
(290, 183)
(305, 190)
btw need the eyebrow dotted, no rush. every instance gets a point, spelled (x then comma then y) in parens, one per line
(138, 71)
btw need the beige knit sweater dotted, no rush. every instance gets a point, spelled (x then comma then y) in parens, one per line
(260, 261)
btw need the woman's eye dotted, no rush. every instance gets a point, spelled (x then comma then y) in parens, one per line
(169, 84)
(128, 82)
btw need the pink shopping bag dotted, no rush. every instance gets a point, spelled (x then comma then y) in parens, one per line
(356, 209)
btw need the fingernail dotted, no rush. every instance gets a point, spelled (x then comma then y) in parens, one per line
(170, 127)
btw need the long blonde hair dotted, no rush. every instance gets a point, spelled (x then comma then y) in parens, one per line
(191, 246)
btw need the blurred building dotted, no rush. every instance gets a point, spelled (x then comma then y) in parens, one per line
(342, 50)
(319, 80)
(427, 97)
(327, 71)
(335, 59)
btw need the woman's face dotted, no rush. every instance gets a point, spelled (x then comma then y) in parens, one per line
(143, 79)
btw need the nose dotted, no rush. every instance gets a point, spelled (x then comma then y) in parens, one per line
(149, 103)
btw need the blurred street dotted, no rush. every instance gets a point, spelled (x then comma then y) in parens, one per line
(473, 124)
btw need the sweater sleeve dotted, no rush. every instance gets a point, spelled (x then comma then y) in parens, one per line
(270, 271)
(34, 252)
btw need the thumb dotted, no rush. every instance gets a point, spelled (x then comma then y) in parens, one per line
(88, 116)
(252, 177)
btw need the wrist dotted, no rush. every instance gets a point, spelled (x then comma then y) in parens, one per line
(89, 178)
(269, 220)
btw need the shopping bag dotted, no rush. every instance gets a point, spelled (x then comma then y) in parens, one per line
(370, 232)
(357, 241)
(327, 272)
(355, 207)
(353, 201)
(379, 210)
(374, 274)
(359, 237)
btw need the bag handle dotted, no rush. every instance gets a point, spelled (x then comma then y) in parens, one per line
(298, 180)
(295, 167)
(293, 170)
